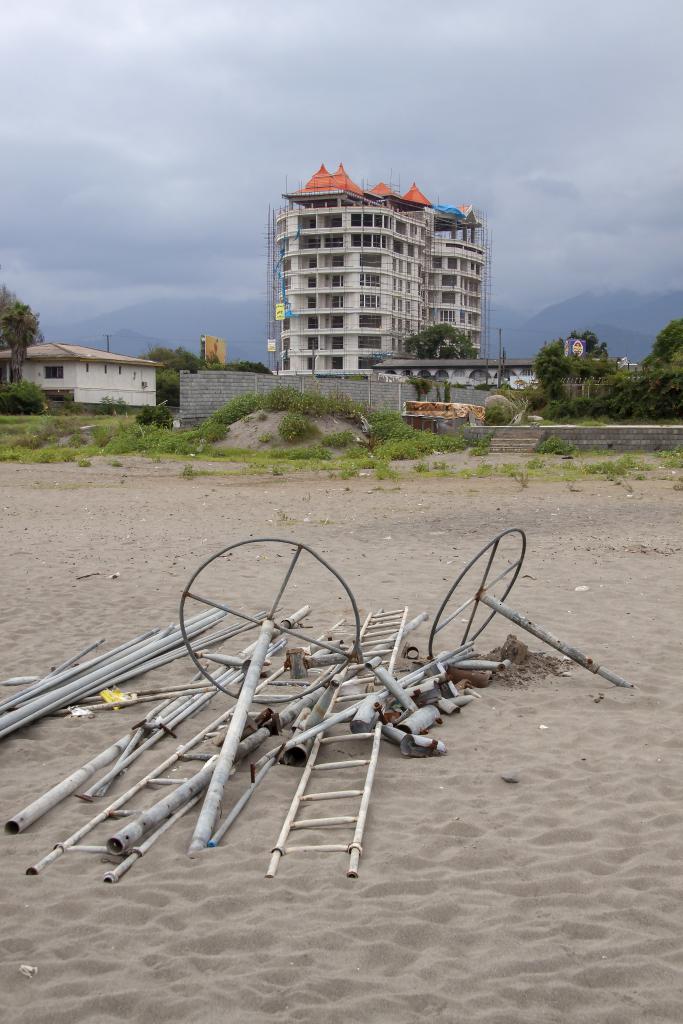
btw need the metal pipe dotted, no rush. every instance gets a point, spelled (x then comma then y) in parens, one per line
(37, 808)
(542, 634)
(210, 811)
(139, 851)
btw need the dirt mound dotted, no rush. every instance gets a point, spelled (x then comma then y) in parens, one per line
(259, 430)
(527, 666)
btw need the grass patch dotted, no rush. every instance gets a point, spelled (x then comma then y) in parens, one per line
(556, 446)
(481, 447)
(296, 426)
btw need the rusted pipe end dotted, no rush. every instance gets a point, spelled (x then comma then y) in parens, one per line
(115, 845)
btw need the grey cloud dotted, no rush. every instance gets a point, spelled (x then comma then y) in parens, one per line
(146, 141)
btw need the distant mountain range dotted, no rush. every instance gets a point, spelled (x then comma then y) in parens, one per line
(628, 321)
(171, 322)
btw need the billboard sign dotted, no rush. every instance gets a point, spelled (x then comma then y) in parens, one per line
(575, 347)
(212, 349)
(272, 347)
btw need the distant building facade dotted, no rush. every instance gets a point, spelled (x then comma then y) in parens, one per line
(86, 375)
(515, 372)
(356, 271)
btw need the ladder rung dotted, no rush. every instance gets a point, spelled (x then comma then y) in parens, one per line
(348, 736)
(387, 615)
(332, 765)
(333, 794)
(322, 848)
(321, 822)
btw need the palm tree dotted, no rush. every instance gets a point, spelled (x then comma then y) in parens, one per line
(19, 329)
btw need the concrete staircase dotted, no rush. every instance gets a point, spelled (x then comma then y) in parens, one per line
(515, 440)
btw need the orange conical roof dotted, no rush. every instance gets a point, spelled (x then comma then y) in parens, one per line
(413, 195)
(381, 189)
(321, 181)
(342, 181)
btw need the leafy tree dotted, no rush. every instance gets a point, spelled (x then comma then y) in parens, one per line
(19, 329)
(168, 387)
(440, 341)
(551, 367)
(668, 346)
(594, 347)
(7, 298)
(174, 358)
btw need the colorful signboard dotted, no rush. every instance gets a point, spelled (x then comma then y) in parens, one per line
(272, 346)
(575, 347)
(212, 349)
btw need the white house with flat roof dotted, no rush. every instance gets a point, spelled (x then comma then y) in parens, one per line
(86, 375)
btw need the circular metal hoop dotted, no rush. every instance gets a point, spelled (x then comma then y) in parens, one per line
(284, 629)
(513, 568)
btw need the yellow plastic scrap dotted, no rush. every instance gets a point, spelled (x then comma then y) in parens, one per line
(115, 696)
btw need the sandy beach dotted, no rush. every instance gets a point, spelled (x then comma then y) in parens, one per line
(553, 900)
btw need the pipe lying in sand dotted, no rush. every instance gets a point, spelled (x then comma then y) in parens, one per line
(542, 634)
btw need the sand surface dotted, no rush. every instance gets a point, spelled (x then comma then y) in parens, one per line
(553, 900)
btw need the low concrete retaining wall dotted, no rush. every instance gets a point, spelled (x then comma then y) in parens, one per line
(618, 438)
(203, 392)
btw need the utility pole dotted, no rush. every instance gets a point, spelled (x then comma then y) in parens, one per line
(500, 355)
(108, 336)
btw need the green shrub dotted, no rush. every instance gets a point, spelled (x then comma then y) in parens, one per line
(159, 415)
(421, 467)
(265, 438)
(339, 439)
(189, 472)
(295, 426)
(498, 414)
(556, 446)
(482, 446)
(673, 459)
(383, 471)
(112, 406)
(84, 463)
(22, 399)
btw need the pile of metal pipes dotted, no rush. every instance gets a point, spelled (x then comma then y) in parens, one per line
(75, 680)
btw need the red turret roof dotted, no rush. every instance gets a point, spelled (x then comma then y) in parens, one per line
(413, 195)
(382, 190)
(323, 181)
(344, 182)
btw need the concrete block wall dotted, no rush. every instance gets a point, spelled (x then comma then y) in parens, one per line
(203, 392)
(617, 438)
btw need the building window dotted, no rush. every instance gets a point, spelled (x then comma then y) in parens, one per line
(436, 262)
(369, 280)
(367, 341)
(398, 246)
(313, 323)
(452, 263)
(462, 316)
(356, 220)
(448, 298)
(356, 240)
(334, 242)
(337, 281)
(87, 367)
(335, 221)
(369, 301)
(105, 367)
(370, 259)
(337, 343)
(308, 222)
(447, 316)
(410, 250)
(312, 262)
(312, 344)
(119, 371)
(311, 301)
(311, 241)
(337, 259)
(54, 372)
(310, 363)
(337, 322)
(369, 320)
(337, 362)
(311, 282)
(337, 302)
(449, 281)
(366, 363)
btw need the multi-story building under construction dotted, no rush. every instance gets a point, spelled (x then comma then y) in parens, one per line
(352, 272)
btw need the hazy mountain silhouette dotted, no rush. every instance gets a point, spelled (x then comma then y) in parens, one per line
(626, 320)
(171, 322)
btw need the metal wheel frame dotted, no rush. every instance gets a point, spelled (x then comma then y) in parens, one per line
(353, 653)
(514, 567)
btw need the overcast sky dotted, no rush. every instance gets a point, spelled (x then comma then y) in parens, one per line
(143, 140)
